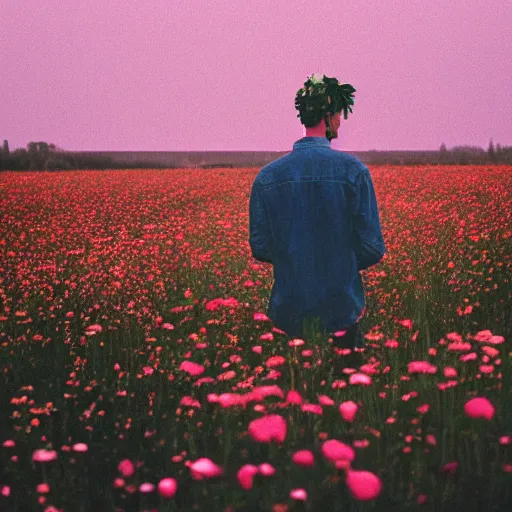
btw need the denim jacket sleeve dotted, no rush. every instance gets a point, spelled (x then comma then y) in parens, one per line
(370, 247)
(260, 234)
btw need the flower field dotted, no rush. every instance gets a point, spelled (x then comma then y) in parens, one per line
(139, 371)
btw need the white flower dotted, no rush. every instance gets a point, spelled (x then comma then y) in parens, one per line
(316, 78)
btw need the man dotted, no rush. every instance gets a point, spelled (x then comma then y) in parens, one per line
(313, 214)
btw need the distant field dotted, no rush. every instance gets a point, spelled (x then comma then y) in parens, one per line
(113, 282)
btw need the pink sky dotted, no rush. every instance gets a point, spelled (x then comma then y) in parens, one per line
(203, 75)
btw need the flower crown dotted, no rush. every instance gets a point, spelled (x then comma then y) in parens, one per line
(321, 96)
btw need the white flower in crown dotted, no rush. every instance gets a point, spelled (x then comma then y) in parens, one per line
(316, 78)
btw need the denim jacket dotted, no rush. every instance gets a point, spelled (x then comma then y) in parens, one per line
(313, 214)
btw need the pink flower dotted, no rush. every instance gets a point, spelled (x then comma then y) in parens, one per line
(193, 369)
(44, 455)
(479, 408)
(421, 499)
(299, 494)
(348, 410)
(205, 468)
(293, 397)
(260, 316)
(188, 401)
(94, 328)
(336, 450)
(421, 367)
(126, 468)
(325, 400)
(491, 352)
(483, 335)
(360, 378)
(266, 469)
(431, 439)
(450, 372)
(43, 488)
(258, 349)
(461, 346)
(146, 487)
(245, 476)
(314, 408)
(423, 408)
(363, 485)
(274, 361)
(80, 447)
(268, 428)
(261, 392)
(304, 458)
(167, 487)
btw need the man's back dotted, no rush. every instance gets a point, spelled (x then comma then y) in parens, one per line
(314, 216)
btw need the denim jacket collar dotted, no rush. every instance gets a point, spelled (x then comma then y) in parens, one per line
(308, 142)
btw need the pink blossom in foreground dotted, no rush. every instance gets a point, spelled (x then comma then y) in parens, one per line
(193, 369)
(450, 372)
(363, 485)
(421, 367)
(204, 468)
(459, 346)
(266, 469)
(479, 407)
(245, 476)
(126, 468)
(5, 491)
(188, 401)
(167, 487)
(304, 458)
(299, 494)
(423, 408)
(274, 361)
(44, 455)
(348, 410)
(43, 488)
(336, 450)
(360, 378)
(146, 487)
(293, 397)
(314, 408)
(80, 447)
(269, 428)
(325, 400)
(94, 328)
(487, 337)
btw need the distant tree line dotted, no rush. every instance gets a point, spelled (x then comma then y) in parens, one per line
(42, 156)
